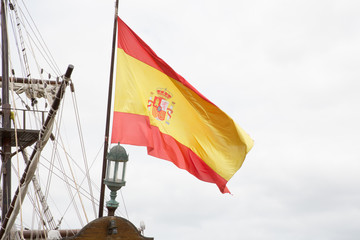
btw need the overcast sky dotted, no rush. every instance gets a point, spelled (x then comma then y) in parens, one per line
(286, 71)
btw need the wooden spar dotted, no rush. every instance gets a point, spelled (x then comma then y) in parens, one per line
(32, 81)
(44, 131)
(38, 234)
(108, 112)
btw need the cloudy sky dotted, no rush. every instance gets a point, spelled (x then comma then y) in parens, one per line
(285, 71)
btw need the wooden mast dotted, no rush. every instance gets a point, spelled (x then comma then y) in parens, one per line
(6, 146)
(108, 113)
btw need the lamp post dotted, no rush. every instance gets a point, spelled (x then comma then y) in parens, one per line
(115, 175)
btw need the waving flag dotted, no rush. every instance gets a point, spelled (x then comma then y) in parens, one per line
(157, 108)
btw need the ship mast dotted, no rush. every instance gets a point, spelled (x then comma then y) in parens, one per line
(6, 139)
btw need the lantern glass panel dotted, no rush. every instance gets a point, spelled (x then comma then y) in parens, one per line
(119, 172)
(110, 170)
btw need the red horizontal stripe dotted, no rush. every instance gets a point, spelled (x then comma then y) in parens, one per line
(134, 46)
(136, 130)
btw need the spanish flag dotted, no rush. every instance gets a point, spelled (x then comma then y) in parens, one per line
(157, 108)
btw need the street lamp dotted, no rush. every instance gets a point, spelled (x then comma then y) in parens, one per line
(115, 175)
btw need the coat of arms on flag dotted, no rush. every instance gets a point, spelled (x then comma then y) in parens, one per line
(160, 105)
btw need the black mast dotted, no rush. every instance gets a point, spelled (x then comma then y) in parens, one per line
(6, 141)
(106, 140)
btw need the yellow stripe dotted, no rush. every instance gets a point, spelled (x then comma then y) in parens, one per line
(195, 123)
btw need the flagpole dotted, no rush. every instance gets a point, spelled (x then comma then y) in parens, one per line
(106, 139)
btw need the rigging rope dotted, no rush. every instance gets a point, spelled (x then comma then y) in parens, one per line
(55, 154)
(22, 43)
(17, 158)
(30, 197)
(68, 178)
(83, 149)
(38, 33)
(32, 90)
(68, 187)
(75, 182)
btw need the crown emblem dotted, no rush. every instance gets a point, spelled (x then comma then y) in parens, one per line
(163, 92)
